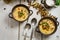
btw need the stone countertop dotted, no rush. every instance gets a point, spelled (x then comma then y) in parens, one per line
(13, 30)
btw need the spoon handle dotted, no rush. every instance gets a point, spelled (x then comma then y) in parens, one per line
(24, 0)
(25, 36)
(20, 1)
(31, 35)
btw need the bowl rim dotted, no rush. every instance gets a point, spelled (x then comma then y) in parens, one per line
(54, 23)
(19, 6)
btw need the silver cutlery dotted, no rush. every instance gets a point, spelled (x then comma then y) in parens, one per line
(27, 27)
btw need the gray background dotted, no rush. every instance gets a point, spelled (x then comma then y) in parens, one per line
(13, 30)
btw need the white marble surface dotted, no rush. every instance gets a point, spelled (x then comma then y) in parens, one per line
(9, 29)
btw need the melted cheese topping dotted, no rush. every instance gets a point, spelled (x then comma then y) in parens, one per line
(51, 27)
(25, 12)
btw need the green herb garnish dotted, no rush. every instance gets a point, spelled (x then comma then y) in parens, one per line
(57, 2)
(45, 25)
(20, 14)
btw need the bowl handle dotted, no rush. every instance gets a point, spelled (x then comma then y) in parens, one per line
(31, 12)
(37, 30)
(57, 23)
(10, 15)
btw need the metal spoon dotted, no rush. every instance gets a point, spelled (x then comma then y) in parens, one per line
(34, 21)
(27, 27)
